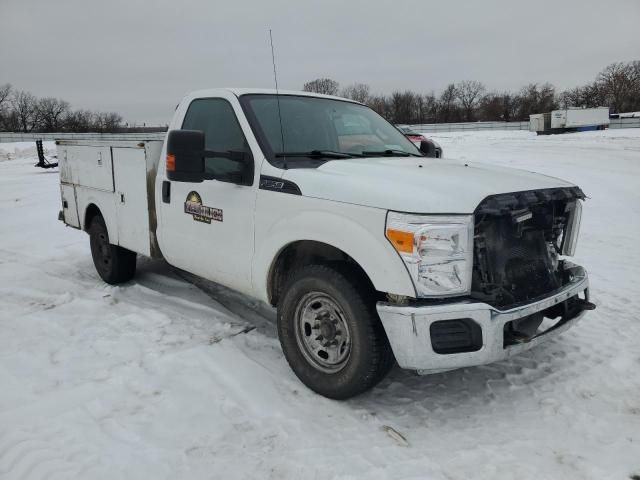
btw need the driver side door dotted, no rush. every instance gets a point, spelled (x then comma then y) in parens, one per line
(208, 227)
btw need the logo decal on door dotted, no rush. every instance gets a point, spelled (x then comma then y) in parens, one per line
(201, 213)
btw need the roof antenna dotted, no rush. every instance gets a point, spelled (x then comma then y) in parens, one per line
(275, 78)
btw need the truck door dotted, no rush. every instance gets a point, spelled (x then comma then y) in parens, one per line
(218, 244)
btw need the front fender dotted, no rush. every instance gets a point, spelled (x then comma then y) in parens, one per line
(357, 231)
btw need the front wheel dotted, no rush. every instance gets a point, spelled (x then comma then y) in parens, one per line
(331, 334)
(113, 263)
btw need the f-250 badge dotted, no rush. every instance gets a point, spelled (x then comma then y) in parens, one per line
(201, 213)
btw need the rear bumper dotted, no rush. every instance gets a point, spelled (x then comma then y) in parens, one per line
(409, 327)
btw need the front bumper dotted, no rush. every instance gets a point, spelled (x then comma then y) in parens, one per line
(409, 327)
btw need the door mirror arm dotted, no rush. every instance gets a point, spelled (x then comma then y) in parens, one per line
(185, 159)
(243, 177)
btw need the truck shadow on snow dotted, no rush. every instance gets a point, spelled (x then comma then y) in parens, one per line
(455, 389)
(242, 310)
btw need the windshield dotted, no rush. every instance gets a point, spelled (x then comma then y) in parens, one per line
(315, 130)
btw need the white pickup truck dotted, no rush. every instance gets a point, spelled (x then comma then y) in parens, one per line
(371, 251)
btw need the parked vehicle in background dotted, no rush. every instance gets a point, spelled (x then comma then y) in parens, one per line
(370, 251)
(569, 120)
(432, 149)
(624, 115)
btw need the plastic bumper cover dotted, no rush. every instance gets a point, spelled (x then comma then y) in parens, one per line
(408, 327)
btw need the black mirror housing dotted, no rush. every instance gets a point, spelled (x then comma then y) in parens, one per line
(428, 148)
(185, 156)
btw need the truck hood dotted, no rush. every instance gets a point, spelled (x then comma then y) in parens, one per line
(412, 184)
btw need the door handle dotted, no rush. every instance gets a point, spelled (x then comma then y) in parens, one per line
(166, 191)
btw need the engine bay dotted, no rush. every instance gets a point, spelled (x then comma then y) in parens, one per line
(518, 242)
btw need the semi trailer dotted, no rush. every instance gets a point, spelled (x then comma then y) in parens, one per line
(569, 120)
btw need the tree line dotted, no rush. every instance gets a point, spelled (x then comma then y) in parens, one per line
(617, 86)
(21, 111)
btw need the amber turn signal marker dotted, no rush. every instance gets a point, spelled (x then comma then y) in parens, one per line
(171, 163)
(402, 241)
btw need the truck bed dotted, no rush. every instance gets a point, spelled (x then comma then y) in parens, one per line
(118, 177)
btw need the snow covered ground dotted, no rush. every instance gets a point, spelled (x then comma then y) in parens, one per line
(153, 379)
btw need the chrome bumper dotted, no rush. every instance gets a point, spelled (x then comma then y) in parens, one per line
(408, 327)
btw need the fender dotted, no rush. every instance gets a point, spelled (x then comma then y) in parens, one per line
(357, 231)
(105, 203)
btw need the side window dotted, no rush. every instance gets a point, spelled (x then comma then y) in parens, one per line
(222, 133)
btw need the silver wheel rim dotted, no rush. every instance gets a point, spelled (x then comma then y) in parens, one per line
(322, 333)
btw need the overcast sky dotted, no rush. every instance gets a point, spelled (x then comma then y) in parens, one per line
(139, 58)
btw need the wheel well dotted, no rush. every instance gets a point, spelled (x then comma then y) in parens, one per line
(91, 212)
(307, 252)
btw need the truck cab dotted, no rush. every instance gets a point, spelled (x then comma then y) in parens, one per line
(372, 252)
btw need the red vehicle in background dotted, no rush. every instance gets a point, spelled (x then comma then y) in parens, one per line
(435, 150)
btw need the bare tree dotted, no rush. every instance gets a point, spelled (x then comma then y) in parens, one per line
(535, 98)
(357, 91)
(107, 122)
(51, 111)
(324, 86)
(447, 102)
(469, 93)
(403, 107)
(79, 121)
(490, 107)
(5, 95)
(22, 111)
(571, 98)
(621, 85)
(427, 108)
(379, 104)
(25, 106)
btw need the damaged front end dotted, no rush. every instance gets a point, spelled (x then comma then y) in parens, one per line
(523, 289)
(519, 239)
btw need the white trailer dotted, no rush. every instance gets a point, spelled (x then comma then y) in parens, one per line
(569, 120)
(580, 118)
(536, 122)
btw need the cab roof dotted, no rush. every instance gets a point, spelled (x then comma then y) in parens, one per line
(246, 91)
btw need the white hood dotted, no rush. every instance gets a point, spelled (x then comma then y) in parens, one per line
(417, 185)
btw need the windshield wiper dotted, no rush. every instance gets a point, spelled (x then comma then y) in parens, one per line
(391, 153)
(318, 154)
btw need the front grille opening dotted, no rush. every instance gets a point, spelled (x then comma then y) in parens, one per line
(527, 328)
(517, 245)
(455, 336)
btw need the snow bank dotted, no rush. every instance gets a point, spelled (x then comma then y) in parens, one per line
(9, 151)
(153, 379)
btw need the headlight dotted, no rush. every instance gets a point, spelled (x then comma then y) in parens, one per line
(437, 250)
(570, 235)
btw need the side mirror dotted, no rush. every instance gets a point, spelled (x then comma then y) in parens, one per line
(185, 156)
(428, 148)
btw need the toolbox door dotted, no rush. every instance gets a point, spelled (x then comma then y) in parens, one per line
(69, 205)
(132, 206)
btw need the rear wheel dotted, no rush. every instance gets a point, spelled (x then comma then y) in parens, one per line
(113, 263)
(331, 334)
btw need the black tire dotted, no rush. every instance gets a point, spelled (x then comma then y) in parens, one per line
(369, 356)
(114, 264)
